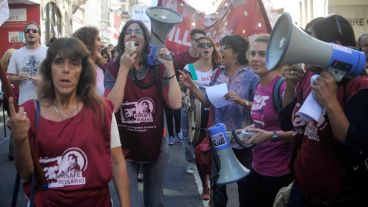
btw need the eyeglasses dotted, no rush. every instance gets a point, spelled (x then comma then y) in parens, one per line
(137, 32)
(205, 45)
(338, 27)
(31, 30)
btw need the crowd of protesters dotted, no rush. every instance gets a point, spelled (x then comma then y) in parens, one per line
(123, 100)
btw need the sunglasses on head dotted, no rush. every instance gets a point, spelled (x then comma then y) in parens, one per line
(31, 30)
(204, 45)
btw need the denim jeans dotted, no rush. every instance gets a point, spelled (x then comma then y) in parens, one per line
(188, 147)
(153, 177)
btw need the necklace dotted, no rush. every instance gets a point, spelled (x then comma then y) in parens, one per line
(63, 115)
(138, 74)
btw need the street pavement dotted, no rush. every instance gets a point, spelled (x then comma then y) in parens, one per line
(180, 189)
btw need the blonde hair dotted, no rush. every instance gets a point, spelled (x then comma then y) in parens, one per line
(6, 58)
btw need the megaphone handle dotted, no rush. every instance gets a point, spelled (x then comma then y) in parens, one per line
(154, 34)
(235, 136)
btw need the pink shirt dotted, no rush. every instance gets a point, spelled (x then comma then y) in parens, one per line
(269, 158)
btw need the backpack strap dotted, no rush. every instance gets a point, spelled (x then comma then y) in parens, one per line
(35, 180)
(276, 97)
(215, 76)
(192, 71)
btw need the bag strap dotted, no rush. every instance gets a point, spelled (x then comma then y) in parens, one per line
(276, 97)
(192, 71)
(34, 180)
(215, 76)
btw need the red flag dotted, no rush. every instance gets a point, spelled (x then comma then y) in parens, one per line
(244, 17)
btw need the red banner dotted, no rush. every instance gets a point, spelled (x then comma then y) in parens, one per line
(244, 17)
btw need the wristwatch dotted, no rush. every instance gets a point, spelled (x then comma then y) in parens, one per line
(274, 137)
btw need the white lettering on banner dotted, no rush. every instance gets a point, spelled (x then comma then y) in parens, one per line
(175, 34)
(177, 40)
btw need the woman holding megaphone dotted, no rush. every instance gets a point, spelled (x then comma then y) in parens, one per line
(138, 91)
(329, 167)
(241, 81)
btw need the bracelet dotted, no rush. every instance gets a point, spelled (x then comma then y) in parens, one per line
(168, 78)
(247, 103)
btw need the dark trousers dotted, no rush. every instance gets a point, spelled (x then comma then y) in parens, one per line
(172, 116)
(219, 195)
(260, 191)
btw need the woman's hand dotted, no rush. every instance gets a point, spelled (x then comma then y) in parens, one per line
(259, 136)
(325, 89)
(165, 57)
(19, 122)
(293, 73)
(36, 80)
(232, 96)
(127, 60)
(186, 80)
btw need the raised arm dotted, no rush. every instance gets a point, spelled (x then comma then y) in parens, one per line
(116, 94)
(169, 81)
(188, 82)
(20, 128)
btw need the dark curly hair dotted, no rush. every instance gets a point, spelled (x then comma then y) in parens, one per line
(120, 46)
(239, 44)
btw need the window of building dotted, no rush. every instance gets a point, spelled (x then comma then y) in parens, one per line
(53, 22)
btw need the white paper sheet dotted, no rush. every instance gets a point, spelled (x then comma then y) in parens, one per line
(311, 109)
(216, 95)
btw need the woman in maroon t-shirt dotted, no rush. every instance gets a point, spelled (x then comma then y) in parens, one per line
(75, 148)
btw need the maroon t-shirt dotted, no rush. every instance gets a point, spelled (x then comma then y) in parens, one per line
(75, 156)
(319, 170)
(140, 117)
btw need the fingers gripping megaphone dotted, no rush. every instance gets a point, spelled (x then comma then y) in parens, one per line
(231, 169)
(289, 44)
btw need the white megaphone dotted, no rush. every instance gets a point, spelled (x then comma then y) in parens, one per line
(162, 21)
(231, 169)
(289, 45)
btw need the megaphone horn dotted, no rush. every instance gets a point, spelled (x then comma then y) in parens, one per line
(162, 21)
(231, 169)
(289, 44)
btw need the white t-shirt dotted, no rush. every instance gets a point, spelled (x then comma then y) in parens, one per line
(100, 88)
(27, 61)
(115, 137)
(203, 78)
